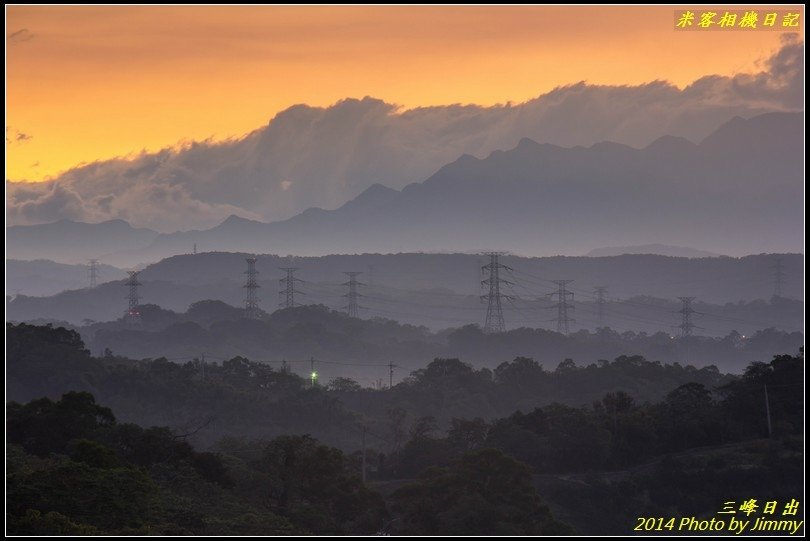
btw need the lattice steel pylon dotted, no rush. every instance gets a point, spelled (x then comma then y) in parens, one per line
(494, 321)
(686, 325)
(133, 313)
(562, 306)
(289, 291)
(353, 308)
(92, 271)
(251, 285)
(686, 312)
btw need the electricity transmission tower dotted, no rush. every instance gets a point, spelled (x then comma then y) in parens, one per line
(563, 306)
(686, 325)
(600, 304)
(778, 277)
(289, 290)
(133, 315)
(93, 273)
(686, 312)
(494, 321)
(353, 308)
(251, 285)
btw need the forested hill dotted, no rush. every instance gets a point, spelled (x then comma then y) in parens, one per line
(362, 348)
(247, 397)
(630, 436)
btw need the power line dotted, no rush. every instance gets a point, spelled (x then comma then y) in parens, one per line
(421, 316)
(630, 317)
(526, 317)
(421, 305)
(431, 293)
(610, 308)
(630, 303)
(494, 321)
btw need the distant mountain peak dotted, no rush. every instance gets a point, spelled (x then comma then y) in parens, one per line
(526, 143)
(69, 241)
(738, 130)
(670, 142)
(233, 219)
(377, 190)
(374, 195)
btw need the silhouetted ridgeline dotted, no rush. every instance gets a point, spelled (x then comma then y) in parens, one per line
(42, 277)
(442, 290)
(253, 399)
(432, 444)
(533, 199)
(219, 331)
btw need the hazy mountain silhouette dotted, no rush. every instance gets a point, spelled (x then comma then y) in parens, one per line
(42, 277)
(737, 192)
(657, 249)
(74, 242)
(442, 290)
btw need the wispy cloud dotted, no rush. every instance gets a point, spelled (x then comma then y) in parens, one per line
(19, 36)
(322, 156)
(15, 136)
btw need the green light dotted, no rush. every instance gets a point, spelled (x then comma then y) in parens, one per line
(314, 375)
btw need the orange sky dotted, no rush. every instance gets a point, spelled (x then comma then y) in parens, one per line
(88, 83)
